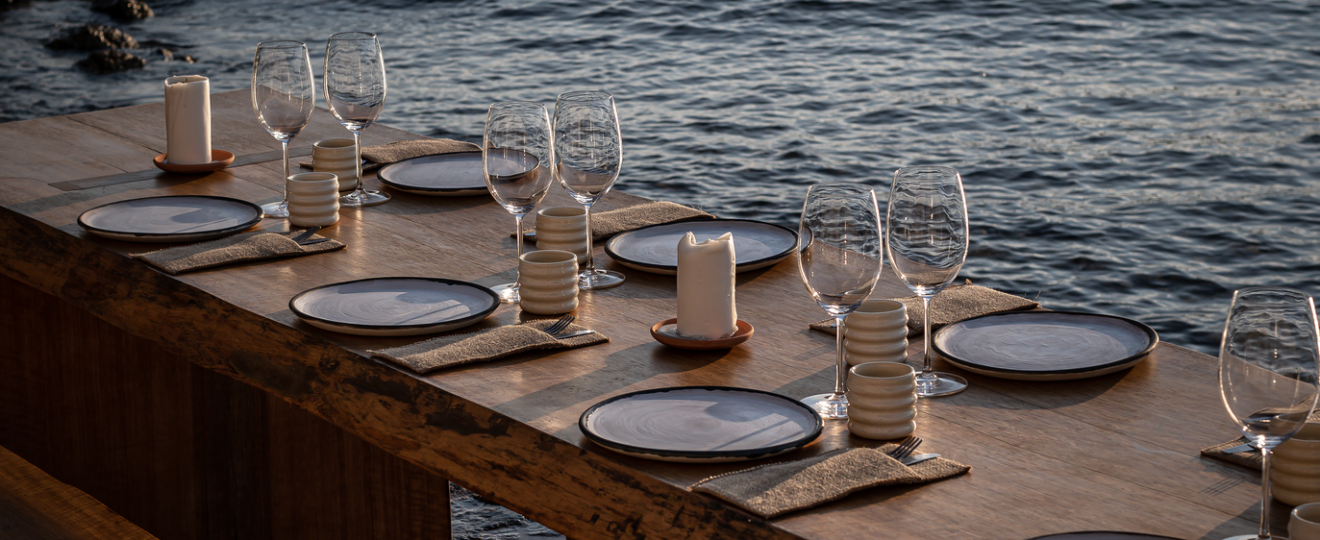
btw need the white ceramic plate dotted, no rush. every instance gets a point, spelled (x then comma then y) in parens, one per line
(654, 249)
(184, 218)
(701, 424)
(444, 175)
(402, 306)
(1045, 345)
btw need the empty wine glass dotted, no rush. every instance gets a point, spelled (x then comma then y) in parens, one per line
(1268, 362)
(588, 154)
(840, 265)
(355, 93)
(515, 158)
(927, 222)
(283, 98)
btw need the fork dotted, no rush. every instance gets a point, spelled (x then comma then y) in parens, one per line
(302, 238)
(560, 324)
(905, 448)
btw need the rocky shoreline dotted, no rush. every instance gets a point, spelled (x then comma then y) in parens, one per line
(110, 50)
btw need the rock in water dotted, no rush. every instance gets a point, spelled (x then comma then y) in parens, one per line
(92, 37)
(103, 62)
(124, 10)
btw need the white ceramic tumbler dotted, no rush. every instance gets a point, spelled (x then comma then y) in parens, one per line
(882, 400)
(1296, 467)
(313, 199)
(563, 228)
(1304, 523)
(876, 332)
(336, 156)
(548, 282)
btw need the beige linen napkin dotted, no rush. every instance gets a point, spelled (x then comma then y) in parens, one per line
(250, 246)
(951, 305)
(607, 224)
(779, 488)
(450, 351)
(1250, 459)
(386, 154)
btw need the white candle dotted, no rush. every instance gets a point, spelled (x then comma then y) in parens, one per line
(188, 120)
(705, 287)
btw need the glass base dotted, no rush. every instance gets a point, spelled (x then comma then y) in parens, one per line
(829, 406)
(939, 384)
(508, 293)
(365, 198)
(599, 279)
(276, 209)
(1251, 537)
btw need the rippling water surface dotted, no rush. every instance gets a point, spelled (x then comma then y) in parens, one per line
(1128, 157)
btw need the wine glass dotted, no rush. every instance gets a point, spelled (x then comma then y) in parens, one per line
(588, 154)
(355, 93)
(927, 246)
(515, 158)
(283, 98)
(840, 266)
(1268, 362)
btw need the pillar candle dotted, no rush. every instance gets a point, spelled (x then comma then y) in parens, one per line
(188, 120)
(705, 287)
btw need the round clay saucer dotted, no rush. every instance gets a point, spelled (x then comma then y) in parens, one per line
(670, 337)
(219, 160)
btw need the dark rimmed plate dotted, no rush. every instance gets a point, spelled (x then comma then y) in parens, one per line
(1103, 535)
(444, 175)
(174, 218)
(654, 249)
(396, 306)
(1045, 345)
(701, 424)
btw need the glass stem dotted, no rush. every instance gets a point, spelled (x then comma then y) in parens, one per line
(590, 267)
(517, 265)
(925, 342)
(1265, 498)
(284, 144)
(357, 161)
(841, 373)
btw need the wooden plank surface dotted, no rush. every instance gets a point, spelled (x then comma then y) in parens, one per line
(35, 506)
(1116, 452)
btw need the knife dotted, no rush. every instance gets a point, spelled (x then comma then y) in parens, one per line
(918, 458)
(1244, 447)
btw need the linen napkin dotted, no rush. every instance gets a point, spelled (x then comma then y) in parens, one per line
(250, 246)
(1250, 459)
(386, 154)
(951, 305)
(607, 224)
(493, 344)
(779, 488)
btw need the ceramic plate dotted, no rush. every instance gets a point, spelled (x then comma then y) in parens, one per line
(1045, 345)
(400, 306)
(187, 218)
(445, 175)
(655, 249)
(1103, 535)
(701, 424)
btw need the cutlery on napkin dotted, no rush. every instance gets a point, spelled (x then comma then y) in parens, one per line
(493, 344)
(779, 488)
(397, 151)
(951, 305)
(610, 223)
(243, 247)
(1234, 452)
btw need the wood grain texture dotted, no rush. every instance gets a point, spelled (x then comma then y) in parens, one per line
(35, 506)
(1116, 452)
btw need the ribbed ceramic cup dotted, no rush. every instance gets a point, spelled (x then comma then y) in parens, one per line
(313, 199)
(876, 332)
(563, 228)
(882, 400)
(548, 282)
(1304, 523)
(336, 156)
(1296, 467)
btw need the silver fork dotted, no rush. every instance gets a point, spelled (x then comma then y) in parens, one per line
(560, 324)
(302, 237)
(905, 448)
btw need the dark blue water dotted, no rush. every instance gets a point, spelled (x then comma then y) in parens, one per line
(1137, 158)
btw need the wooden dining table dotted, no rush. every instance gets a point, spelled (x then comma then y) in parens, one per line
(199, 406)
